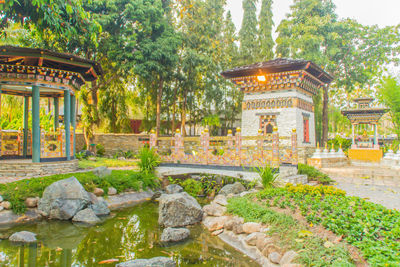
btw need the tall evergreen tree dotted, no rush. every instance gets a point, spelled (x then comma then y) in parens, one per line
(265, 31)
(248, 33)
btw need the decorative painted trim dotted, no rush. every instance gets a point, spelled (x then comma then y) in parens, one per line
(274, 103)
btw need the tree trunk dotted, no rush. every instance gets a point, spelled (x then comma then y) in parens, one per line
(174, 110)
(325, 121)
(183, 119)
(158, 110)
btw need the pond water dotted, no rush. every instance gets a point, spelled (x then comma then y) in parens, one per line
(129, 234)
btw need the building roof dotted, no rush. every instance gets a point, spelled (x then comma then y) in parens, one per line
(279, 65)
(23, 56)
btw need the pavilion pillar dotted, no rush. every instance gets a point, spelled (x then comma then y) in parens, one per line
(56, 112)
(73, 121)
(35, 123)
(353, 141)
(375, 135)
(67, 114)
(26, 126)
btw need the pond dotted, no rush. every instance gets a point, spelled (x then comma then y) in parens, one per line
(129, 234)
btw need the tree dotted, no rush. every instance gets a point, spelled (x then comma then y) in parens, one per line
(248, 34)
(389, 94)
(265, 31)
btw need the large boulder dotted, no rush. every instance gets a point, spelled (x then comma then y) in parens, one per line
(235, 188)
(154, 262)
(177, 210)
(86, 216)
(63, 199)
(100, 207)
(214, 210)
(174, 234)
(23, 237)
(173, 189)
(101, 171)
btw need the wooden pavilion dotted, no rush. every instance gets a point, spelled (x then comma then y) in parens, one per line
(40, 73)
(363, 148)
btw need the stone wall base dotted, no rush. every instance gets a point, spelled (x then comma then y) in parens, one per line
(328, 162)
(28, 169)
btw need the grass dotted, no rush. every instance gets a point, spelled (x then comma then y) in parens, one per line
(292, 234)
(372, 228)
(122, 180)
(314, 174)
(88, 164)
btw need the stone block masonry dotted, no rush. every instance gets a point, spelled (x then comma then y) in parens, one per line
(114, 143)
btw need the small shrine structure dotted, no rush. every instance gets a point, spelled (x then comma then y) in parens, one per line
(35, 74)
(363, 147)
(279, 93)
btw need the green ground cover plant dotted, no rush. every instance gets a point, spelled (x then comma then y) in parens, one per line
(372, 228)
(292, 234)
(148, 160)
(268, 175)
(111, 163)
(314, 174)
(17, 192)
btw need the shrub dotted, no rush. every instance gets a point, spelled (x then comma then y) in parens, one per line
(192, 187)
(339, 141)
(100, 150)
(148, 160)
(314, 174)
(268, 176)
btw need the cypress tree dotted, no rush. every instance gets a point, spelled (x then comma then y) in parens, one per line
(265, 31)
(248, 33)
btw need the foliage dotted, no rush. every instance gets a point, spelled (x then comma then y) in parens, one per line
(314, 174)
(339, 141)
(84, 163)
(248, 33)
(148, 160)
(291, 234)
(372, 228)
(100, 150)
(81, 155)
(389, 93)
(17, 192)
(266, 43)
(268, 175)
(192, 187)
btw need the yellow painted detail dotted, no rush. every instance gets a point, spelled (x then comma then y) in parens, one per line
(374, 155)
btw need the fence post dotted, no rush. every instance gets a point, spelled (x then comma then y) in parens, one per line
(206, 145)
(178, 146)
(153, 139)
(275, 148)
(238, 145)
(295, 157)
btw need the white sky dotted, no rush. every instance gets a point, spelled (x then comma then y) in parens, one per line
(367, 12)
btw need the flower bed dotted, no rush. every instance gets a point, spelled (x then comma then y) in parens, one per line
(372, 228)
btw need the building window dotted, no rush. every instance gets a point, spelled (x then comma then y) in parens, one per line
(306, 129)
(267, 123)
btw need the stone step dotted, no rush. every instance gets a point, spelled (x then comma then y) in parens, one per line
(296, 179)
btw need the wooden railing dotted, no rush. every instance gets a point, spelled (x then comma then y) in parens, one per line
(230, 150)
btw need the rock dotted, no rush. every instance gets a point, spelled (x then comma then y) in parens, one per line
(154, 262)
(274, 257)
(261, 243)
(1, 198)
(102, 171)
(244, 193)
(174, 234)
(252, 239)
(180, 209)
(100, 208)
(112, 191)
(217, 232)
(156, 195)
(173, 188)
(220, 200)
(288, 257)
(31, 202)
(98, 192)
(86, 216)
(230, 224)
(269, 249)
(23, 237)
(63, 199)
(238, 229)
(214, 223)
(87, 153)
(214, 210)
(1, 208)
(6, 205)
(251, 227)
(235, 188)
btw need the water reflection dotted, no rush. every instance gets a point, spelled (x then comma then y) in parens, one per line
(130, 234)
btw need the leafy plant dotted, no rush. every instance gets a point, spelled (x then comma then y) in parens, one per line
(148, 160)
(268, 175)
(100, 150)
(81, 155)
(192, 187)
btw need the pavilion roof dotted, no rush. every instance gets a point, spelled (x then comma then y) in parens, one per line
(279, 65)
(23, 56)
